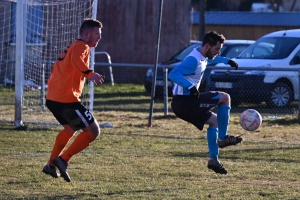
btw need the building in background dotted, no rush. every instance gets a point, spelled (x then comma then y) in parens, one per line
(245, 25)
(130, 29)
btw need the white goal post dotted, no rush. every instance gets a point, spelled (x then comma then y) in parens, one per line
(33, 33)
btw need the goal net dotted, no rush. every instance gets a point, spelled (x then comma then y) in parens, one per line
(48, 27)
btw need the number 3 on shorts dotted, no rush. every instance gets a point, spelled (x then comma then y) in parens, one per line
(88, 114)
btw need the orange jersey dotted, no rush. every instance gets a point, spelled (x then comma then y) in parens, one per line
(68, 74)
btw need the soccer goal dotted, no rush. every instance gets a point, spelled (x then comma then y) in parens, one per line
(33, 33)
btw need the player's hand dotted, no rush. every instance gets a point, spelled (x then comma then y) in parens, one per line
(233, 64)
(194, 92)
(97, 78)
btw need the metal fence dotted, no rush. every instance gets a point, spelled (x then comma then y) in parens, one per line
(273, 92)
(126, 89)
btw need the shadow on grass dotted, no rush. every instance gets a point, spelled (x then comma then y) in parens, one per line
(256, 153)
(75, 196)
(191, 154)
(6, 126)
(127, 105)
(264, 109)
(292, 147)
(238, 154)
(140, 102)
(283, 121)
(156, 136)
(120, 94)
(139, 191)
(165, 117)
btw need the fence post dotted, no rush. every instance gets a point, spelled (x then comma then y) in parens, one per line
(110, 68)
(165, 90)
(20, 60)
(43, 87)
(299, 97)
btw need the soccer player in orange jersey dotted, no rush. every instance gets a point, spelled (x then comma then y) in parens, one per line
(65, 87)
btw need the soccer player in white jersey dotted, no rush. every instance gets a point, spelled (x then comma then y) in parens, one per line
(194, 107)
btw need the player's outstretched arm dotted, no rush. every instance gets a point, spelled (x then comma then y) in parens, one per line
(225, 60)
(97, 78)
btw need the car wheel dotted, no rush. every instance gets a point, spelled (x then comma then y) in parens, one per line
(280, 96)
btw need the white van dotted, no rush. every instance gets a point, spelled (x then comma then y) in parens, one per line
(264, 7)
(277, 50)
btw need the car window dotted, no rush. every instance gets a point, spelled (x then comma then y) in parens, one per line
(296, 59)
(182, 54)
(224, 48)
(271, 48)
(262, 50)
(222, 53)
(234, 51)
(230, 51)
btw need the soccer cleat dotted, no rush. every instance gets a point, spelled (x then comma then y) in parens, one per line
(62, 166)
(48, 169)
(216, 166)
(229, 140)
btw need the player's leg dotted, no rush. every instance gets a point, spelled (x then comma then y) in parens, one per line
(197, 112)
(62, 138)
(223, 117)
(212, 138)
(212, 141)
(213, 148)
(61, 142)
(81, 118)
(204, 104)
(223, 114)
(82, 141)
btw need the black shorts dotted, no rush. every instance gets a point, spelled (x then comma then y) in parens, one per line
(73, 114)
(195, 110)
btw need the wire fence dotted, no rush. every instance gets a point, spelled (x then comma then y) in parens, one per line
(273, 92)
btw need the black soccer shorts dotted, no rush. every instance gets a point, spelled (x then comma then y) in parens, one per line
(195, 110)
(73, 114)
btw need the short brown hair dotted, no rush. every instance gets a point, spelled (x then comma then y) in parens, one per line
(89, 24)
(212, 37)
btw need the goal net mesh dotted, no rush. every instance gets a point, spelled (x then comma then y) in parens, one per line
(51, 25)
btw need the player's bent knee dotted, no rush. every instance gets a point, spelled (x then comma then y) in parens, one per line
(225, 97)
(95, 131)
(93, 128)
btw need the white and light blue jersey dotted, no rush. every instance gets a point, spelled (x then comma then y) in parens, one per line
(190, 72)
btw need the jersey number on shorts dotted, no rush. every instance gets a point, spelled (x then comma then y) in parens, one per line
(88, 115)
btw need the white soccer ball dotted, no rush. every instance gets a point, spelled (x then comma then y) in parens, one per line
(250, 120)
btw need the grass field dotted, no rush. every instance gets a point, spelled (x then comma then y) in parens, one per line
(167, 161)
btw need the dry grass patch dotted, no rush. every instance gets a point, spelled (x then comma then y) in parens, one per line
(167, 161)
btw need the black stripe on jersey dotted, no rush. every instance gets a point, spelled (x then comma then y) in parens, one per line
(87, 72)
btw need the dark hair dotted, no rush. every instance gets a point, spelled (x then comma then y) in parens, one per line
(212, 37)
(88, 24)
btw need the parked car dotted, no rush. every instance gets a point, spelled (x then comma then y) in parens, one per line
(277, 50)
(231, 49)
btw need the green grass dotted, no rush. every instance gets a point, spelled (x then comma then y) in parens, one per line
(167, 161)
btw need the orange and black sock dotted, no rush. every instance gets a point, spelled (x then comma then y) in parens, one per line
(81, 142)
(61, 142)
